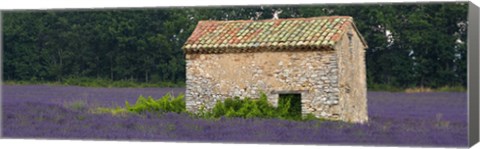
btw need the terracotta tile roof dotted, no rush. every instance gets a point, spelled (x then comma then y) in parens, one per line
(249, 35)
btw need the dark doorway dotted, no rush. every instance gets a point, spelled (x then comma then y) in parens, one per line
(295, 104)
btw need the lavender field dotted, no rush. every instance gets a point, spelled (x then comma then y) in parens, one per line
(61, 112)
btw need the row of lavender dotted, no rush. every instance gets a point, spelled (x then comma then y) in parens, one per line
(420, 119)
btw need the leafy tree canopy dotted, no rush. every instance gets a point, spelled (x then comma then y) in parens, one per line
(409, 45)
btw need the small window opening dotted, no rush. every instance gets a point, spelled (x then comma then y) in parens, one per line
(292, 103)
(350, 41)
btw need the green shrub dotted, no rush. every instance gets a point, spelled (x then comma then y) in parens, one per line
(219, 109)
(167, 103)
(283, 108)
(256, 108)
(230, 107)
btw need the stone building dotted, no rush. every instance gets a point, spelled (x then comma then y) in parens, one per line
(321, 59)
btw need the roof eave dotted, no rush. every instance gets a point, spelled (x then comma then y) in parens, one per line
(257, 49)
(360, 35)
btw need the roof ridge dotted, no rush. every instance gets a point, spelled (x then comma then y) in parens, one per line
(280, 19)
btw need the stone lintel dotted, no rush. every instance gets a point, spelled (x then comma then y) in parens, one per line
(288, 91)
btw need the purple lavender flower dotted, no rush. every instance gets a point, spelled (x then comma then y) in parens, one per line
(59, 112)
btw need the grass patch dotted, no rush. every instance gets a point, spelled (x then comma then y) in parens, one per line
(390, 88)
(98, 82)
(452, 89)
(418, 90)
(384, 87)
(78, 105)
(118, 111)
(440, 89)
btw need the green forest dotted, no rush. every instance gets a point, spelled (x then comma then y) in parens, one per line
(409, 45)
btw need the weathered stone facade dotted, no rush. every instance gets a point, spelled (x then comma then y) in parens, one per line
(352, 78)
(212, 77)
(331, 81)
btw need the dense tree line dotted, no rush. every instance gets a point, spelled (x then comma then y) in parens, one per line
(409, 45)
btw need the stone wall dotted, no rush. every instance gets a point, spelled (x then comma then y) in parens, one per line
(353, 88)
(314, 74)
(332, 84)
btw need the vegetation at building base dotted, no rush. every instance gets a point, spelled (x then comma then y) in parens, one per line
(410, 45)
(257, 108)
(228, 108)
